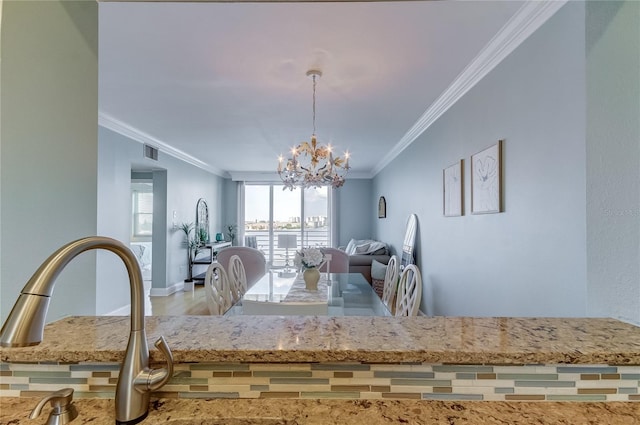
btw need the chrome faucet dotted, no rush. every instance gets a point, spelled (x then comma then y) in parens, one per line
(25, 326)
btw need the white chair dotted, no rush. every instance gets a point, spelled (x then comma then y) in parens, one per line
(255, 264)
(237, 278)
(390, 288)
(217, 289)
(409, 291)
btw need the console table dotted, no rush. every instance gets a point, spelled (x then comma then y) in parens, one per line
(213, 248)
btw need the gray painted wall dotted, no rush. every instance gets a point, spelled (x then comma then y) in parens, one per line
(613, 159)
(49, 146)
(529, 260)
(185, 184)
(355, 210)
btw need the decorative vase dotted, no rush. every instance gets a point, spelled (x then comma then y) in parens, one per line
(311, 277)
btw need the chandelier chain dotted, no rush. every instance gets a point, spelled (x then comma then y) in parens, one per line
(314, 105)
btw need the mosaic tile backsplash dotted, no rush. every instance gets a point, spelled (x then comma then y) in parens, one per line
(341, 381)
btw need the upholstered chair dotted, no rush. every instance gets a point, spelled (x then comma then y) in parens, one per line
(339, 262)
(255, 264)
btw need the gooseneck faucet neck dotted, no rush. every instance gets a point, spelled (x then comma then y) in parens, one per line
(25, 325)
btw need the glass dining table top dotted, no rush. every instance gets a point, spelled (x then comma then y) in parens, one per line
(338, 294)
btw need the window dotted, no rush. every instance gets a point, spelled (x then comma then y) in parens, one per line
(142, 214)
(270, 211)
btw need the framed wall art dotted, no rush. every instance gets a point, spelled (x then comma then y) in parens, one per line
(382, 207)
(452, 198)
(486, 180)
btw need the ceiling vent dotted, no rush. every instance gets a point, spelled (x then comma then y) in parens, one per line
(150, 152)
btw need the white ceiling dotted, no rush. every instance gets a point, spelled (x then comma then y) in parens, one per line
(225, 84)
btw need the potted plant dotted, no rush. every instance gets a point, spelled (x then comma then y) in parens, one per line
(231, 232)
(193, 247)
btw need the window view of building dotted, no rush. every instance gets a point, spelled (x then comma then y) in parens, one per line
(270, 211)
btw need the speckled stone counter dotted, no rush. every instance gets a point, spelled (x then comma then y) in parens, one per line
(336, 370)
(15, 411)
(334, 339)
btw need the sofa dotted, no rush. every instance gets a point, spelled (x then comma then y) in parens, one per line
(362, 253)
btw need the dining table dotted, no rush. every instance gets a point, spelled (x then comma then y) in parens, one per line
(285, 294)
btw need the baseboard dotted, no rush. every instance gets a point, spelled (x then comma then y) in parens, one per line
(122, 311)
(165, 292)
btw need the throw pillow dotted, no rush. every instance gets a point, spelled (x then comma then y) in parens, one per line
(378, 270)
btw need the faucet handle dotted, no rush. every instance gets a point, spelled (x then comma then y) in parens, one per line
(63, 411)
(154, 379)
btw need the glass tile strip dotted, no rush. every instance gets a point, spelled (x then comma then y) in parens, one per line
(330, 394)
(545, 384)
(568, 397)
(422, 382)
(208, 395)
(431, 396)
(219, 366)
(282, 374)
(529, 376)
(394, 374)
(341, 367)
(462, 368)
(95, 367)
(587, 369)
(300, 381)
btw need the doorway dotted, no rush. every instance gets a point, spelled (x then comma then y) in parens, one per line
(141, 238)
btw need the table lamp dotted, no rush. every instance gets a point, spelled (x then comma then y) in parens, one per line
(287, 241)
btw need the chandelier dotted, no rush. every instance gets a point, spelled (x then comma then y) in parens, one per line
(310, 164)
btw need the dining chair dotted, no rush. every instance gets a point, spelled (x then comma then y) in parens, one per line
(255, 264)
(237, 278)
(409, 291)
(338, 263)
(390, 288)
(217, 289)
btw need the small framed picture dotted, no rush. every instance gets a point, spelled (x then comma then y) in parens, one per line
(382, 207)
(486, 180)
(452, 181)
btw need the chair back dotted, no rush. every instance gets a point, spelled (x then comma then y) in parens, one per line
(390, 288)
(253, 260)
(339, 262)
(237, 278)
(217, 289)
(409, 291)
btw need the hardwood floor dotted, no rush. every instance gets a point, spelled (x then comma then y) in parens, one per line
(189, 303)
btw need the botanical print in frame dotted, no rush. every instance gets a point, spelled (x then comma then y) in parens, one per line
(452, 202)
(382, 207)
(486, 180)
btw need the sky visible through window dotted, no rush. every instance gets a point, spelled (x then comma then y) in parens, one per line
(286, 203)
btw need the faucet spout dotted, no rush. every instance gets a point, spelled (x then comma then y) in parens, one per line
(25, 325)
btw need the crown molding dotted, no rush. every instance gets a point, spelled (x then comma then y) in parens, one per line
(272, 176)
(525, 22)
(133, 133)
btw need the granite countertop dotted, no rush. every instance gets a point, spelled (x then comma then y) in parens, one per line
(15, 411)
(357, 339)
